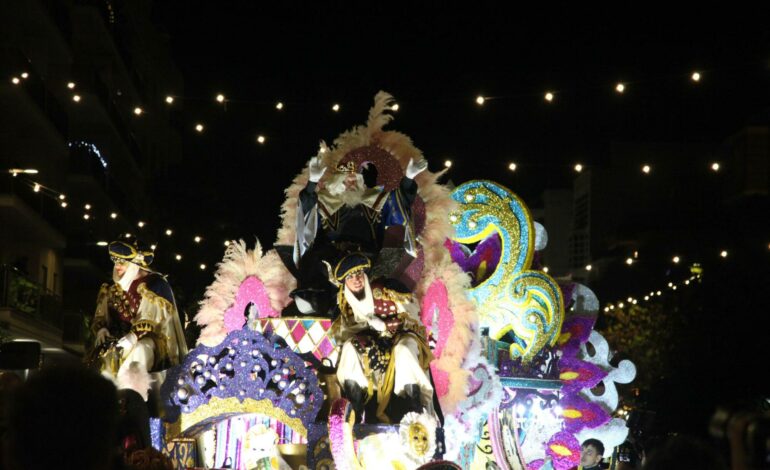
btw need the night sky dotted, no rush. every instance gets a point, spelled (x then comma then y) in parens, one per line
(435, 61)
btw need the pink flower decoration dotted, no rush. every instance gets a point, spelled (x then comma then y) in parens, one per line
(436, 301)
(564, 450)
(251, 291)
(341, 439)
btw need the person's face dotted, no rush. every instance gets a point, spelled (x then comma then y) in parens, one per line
(351, 181)
(355, 282)
(589, 457)
(120, 268)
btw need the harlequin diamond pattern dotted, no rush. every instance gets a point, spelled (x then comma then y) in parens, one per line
(306, 335)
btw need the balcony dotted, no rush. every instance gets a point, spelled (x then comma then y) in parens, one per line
(27, 309)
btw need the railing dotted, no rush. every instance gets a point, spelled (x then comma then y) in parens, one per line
(28, 298)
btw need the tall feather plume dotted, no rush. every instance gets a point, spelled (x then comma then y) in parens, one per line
(377, 117)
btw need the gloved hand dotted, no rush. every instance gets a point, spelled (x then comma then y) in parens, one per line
(415, 168)
(315, 169)
(102, 335)
(127, 342)
(378, 324)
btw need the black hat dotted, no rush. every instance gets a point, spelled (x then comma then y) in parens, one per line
(135, 253)
(350, 264)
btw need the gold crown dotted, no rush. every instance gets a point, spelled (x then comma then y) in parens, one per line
(144, 326)
(348, 167)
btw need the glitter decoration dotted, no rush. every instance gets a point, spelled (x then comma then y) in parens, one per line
(574, 332)
(564, 451)
(541, 237)
(533, 310)
(251, 301)
(389, 171)
(487, 207)
(585, 301)
(624, 373)
(213, 399)
(512, 298)
(481, 262)
(580, 414)
(341, 435)
(302, 335)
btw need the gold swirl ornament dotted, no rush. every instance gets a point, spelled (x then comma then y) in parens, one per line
(513, 298)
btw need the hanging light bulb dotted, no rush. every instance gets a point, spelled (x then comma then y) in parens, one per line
(199, 127)
(512, 166)
(279, 106)
(113, 216)
(71, 85)
(578, 167)
(170, 99)
(620, 87)
(695, 76)
(220, 98)
(261, 139)
(76, 98)
(138, 111)
(646, 169)
(448, 163)
(549, 97)
(480, 100)
(336, 107)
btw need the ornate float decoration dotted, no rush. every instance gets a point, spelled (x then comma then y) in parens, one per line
(515, 359)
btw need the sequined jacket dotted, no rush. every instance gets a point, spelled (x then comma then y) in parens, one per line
(148, 310)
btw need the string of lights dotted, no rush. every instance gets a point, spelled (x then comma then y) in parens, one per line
(551, 98)
(90, 214)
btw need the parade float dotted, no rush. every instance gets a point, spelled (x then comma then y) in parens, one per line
(519, 377)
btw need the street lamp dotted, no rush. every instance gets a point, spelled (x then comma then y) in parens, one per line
(17, 171)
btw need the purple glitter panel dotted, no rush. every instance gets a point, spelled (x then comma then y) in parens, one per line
(245, 365)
